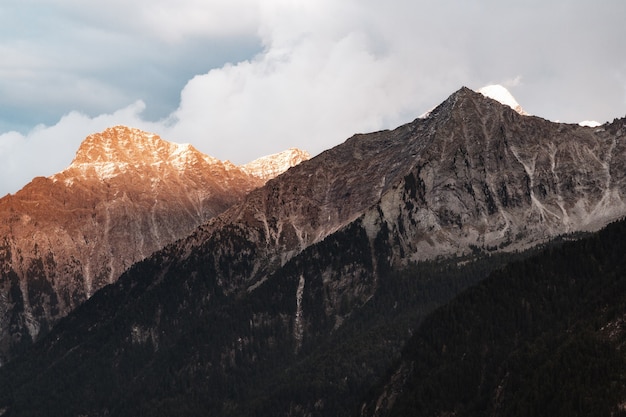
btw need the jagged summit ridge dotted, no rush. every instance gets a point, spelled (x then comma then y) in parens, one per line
(119, 149)
(123, 144)
(495, 92)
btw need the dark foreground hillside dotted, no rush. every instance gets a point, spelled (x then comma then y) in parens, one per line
(153, 344)
(542, 337)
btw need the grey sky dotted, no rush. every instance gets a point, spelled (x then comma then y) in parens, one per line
(243, 78)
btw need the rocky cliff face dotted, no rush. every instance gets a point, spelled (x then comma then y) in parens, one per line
(126, 194)
(489, 178)
(264, 284)
(474, 175)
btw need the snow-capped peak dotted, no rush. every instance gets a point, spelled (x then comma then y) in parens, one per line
(501, 94)
(121, 149)
(124, 150)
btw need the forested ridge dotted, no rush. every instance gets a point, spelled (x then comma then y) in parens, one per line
(541, 337)
(156, 344)
(535, 333)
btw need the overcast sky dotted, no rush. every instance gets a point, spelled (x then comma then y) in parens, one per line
(240, 79)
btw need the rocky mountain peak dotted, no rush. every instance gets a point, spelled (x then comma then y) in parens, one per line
(117, 144)
(120, 148)
(466, 95)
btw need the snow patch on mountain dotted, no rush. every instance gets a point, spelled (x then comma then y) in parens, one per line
(502, 95)
(426, 114)
(270, 166)
(590, 123)
(119, 149)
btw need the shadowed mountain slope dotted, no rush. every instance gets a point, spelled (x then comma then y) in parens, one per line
(544, 336)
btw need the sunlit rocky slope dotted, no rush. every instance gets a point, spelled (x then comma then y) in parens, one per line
(126, 194)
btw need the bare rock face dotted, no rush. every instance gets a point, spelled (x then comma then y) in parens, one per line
(126, 194)
(491, 179)
(475, 175)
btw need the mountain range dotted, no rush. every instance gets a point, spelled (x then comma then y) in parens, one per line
(126, 194)
(308, 295)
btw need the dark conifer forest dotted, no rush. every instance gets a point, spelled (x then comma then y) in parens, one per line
(541, 337)
(538, 333)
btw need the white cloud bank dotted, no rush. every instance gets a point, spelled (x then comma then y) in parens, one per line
(326, 70)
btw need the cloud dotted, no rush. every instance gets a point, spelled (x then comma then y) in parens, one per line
(247, 78)
(160, 19)
(514, 82)
(328, 70)
(97, 57)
